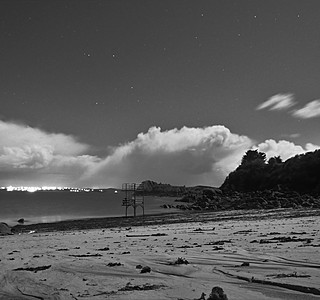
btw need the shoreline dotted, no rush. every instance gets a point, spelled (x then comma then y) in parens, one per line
(256, 254)
(165, 218)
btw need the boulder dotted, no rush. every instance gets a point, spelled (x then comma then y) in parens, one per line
(5, 229)
(217, 293)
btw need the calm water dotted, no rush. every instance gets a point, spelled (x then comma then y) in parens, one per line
(53, 206)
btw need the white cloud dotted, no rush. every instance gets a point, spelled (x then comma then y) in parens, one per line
(178, 156)
(283, 148)
(186, 156)
(30, 154)
(310, 110)
(15, 135)
(278, 102)
(312, 147)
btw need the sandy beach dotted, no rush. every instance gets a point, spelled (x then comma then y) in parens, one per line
(262, 255)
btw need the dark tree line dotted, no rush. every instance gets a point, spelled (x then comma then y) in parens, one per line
(300, 173)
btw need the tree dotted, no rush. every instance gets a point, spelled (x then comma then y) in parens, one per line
(253, 156)
(276, 160)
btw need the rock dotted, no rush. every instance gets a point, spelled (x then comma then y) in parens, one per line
(21, 221)
(245, 264)
(5, 229)
(145, 269)
(180, 261)
(217, 293)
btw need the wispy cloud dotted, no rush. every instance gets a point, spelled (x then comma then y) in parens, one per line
(278, 102)
(291, 135)
(310, 110)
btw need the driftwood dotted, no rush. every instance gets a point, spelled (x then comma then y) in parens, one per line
(35, 269)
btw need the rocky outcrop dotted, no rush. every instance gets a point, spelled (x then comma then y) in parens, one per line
(5, 229)
(164, 189)
(250, 200)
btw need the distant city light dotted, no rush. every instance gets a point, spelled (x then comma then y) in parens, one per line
(33, 189)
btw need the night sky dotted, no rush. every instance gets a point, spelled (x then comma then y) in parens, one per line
(96, 93)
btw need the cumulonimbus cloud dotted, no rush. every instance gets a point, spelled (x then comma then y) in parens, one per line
(179, 156)
(186, 156)
(310, 110)
(278, 102)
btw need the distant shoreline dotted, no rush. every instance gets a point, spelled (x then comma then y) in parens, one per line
(166, 218)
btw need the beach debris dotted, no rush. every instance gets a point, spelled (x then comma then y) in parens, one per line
(159, 234)
(31, 231)
(33, 269)
(274, 233)
(145, 269)
(180, 261)
(144, 287)
(243, 231)
(296, 233)
(184, 247)
(103, 249)
(216, 248)
(217, 293)
(138, 267)
(283, 239)
(85, 255)
(293, 287)
(137, 235)
(115, 264)
(145, 235)
(293, 274)
(245, 264)
(63, 249)
(221, 242)
(198, 229)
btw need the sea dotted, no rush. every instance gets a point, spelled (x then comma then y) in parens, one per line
(55, 206)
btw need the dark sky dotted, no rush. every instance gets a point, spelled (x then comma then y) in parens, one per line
(101, 72)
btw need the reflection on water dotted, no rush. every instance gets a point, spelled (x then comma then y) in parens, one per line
(53, 206)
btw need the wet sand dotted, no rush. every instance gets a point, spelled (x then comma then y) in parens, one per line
(271, 254)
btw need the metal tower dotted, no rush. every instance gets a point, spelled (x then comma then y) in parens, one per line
(134, 197)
